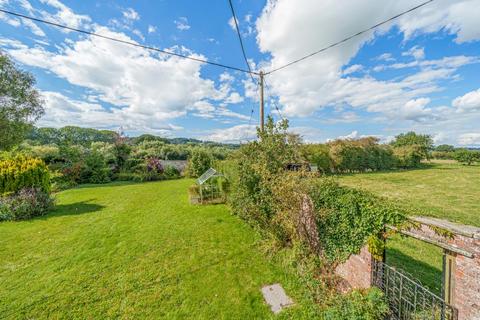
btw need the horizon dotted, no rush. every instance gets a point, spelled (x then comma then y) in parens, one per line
(419, 73)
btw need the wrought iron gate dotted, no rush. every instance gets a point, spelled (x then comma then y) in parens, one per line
(407, 298)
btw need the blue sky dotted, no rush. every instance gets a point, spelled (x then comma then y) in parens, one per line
(420, 72)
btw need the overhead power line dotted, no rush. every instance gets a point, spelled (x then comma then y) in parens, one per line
(234, 16)
(273, 101)
(125, 42)
(350, 37)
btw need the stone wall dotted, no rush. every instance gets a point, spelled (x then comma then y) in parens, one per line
(356, 272)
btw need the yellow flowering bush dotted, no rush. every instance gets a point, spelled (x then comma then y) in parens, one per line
(22, 172)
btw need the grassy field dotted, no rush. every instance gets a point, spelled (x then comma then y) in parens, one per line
(444, 190)
(135, 251)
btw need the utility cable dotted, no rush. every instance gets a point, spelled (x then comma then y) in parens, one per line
(273, 101)
(234, 16)
(126, 42)
(350, 37)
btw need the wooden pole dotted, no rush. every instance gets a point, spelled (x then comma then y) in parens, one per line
(262, 109)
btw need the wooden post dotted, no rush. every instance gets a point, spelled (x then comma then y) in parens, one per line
(262, 110)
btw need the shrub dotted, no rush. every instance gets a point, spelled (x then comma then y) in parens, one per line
(94, 169)
(358, 305)
(21, 172)
(171, 172)
(199, 162)
(408, 156)
(318, 154)
(466, 156)
(25, 204)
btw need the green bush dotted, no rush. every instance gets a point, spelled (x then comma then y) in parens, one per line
(22, 172)
(25, 204)
(467, 157)
(171, 172)
(199, 162)
(358, 305)
(94, 169)
(409, 156)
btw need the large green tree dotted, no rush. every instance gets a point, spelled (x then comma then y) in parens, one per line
(20, 103)
(423, 143)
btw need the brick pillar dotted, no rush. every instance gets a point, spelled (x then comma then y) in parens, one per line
(466, 279)
(462, 251)
(357, 270)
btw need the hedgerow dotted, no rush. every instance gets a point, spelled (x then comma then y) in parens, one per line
(273, 200)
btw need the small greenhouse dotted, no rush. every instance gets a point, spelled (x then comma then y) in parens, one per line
(210, 187)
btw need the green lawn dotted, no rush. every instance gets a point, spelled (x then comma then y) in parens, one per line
(444, 190)
(135, 251)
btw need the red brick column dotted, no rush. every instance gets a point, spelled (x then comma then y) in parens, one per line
(466, 279)
(464, 248)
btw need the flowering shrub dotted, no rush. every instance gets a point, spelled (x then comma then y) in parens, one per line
(154, 165)
(22, 172)
(25, 204)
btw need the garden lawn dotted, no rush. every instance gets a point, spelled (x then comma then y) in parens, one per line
(445, 190)
(137, 251)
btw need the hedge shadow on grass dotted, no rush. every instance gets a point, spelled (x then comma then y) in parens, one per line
(71, 209)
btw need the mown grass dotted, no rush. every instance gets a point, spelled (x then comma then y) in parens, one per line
(137, 251)
(445, 190)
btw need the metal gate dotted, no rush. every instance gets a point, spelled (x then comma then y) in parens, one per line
(407, 298)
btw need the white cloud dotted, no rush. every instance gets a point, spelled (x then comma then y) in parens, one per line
(469, 139)
(130, 14)
(235, 134)
(317, 83)
(416, 52)
(139, 34)
(33, 27)
(385, 57)
(182, 24)
(352, 135)
(468, 102)
(64, 15)
(234, 97)
(152, 29)
(352, 69)
(415, 109)
(231, 23)
(11, 21)
(141, 84)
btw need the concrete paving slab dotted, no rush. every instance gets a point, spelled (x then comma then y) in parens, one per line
(276, 297)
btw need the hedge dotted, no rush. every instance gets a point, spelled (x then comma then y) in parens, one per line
(22, 172)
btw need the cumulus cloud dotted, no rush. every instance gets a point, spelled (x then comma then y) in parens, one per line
(469, 139)
(310, 86)
(468, 102)
(145, 87)
(235, 134)
(63, 15)
(416, 52)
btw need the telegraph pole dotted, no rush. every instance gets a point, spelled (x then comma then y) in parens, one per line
(262, 120)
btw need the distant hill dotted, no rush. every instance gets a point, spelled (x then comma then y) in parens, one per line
(85, 136)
